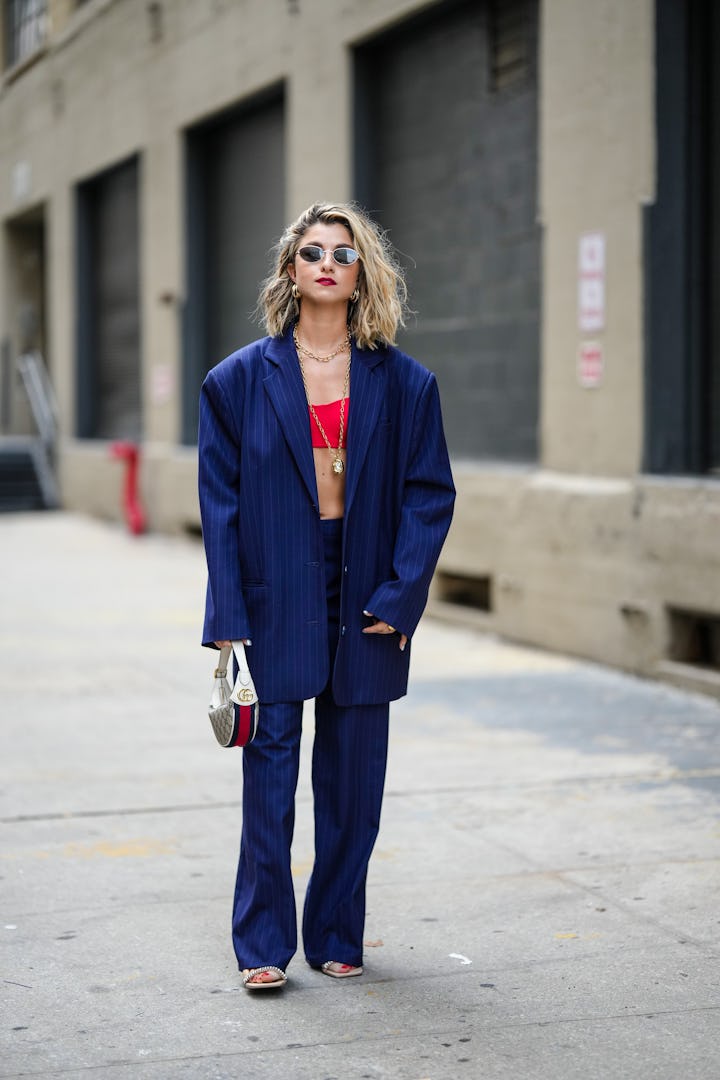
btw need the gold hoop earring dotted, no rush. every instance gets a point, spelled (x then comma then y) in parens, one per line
(354, 296)
(295, 291)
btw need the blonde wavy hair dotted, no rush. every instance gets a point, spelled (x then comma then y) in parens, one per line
(374, 318)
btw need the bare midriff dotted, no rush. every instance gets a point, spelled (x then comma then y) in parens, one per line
(330, 486)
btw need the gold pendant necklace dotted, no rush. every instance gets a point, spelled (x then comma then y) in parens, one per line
(338, 465)
(344, 344)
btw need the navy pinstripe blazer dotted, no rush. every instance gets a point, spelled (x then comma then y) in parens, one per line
(261, 525)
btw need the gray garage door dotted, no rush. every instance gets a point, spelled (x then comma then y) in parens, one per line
(236, 203)
(446, 159)
(109, 400)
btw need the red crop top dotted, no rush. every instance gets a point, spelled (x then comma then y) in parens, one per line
(329, 416)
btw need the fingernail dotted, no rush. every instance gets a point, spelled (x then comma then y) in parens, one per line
(402, 647)
(366, 613)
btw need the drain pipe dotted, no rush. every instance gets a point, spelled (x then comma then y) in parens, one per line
(134, 514)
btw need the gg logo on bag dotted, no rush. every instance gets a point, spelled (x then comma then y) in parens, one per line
(246, 695)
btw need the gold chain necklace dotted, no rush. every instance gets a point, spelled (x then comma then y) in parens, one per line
(338, 465)
(344, 344)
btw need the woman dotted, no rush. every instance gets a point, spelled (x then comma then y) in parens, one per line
(326, 495)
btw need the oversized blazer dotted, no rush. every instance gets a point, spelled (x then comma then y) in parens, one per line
(261, 523)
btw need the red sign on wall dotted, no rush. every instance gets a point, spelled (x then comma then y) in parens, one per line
(590, 363)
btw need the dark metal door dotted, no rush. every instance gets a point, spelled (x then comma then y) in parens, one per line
(236, 203)
(682, 245)
(446, 159)
(109, 306)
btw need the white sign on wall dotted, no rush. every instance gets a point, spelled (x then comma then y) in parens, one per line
(591, 282)
(21, 180)
(162, 385)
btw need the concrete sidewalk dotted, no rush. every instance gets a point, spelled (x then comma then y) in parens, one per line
(543, 901)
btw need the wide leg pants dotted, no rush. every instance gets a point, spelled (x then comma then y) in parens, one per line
(348, 776)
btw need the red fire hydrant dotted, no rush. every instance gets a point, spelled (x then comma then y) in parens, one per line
(134, 513)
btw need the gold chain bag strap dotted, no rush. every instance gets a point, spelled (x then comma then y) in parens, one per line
(233, 713)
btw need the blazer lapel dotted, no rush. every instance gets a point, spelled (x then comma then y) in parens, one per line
(285, 389)
(367, 387)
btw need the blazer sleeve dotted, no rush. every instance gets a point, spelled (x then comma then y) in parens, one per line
(226, 617)
(426, 513)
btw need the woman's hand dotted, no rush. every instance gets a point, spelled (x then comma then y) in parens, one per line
(380, 627)
(228, 644)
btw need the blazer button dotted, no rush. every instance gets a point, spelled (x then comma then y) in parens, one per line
(342, 632)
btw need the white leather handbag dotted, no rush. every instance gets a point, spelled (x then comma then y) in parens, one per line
(233, 713)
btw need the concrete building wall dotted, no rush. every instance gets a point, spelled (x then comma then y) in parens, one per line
(581, 551)
(585, 553)
(597, 169)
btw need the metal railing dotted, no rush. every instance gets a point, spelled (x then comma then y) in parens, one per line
(41, 396)
(25, 29)
(43, 404)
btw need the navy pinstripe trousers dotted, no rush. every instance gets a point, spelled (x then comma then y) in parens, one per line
(348, 777)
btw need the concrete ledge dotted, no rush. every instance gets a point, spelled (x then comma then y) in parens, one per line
(456, 615)
(689, 677)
